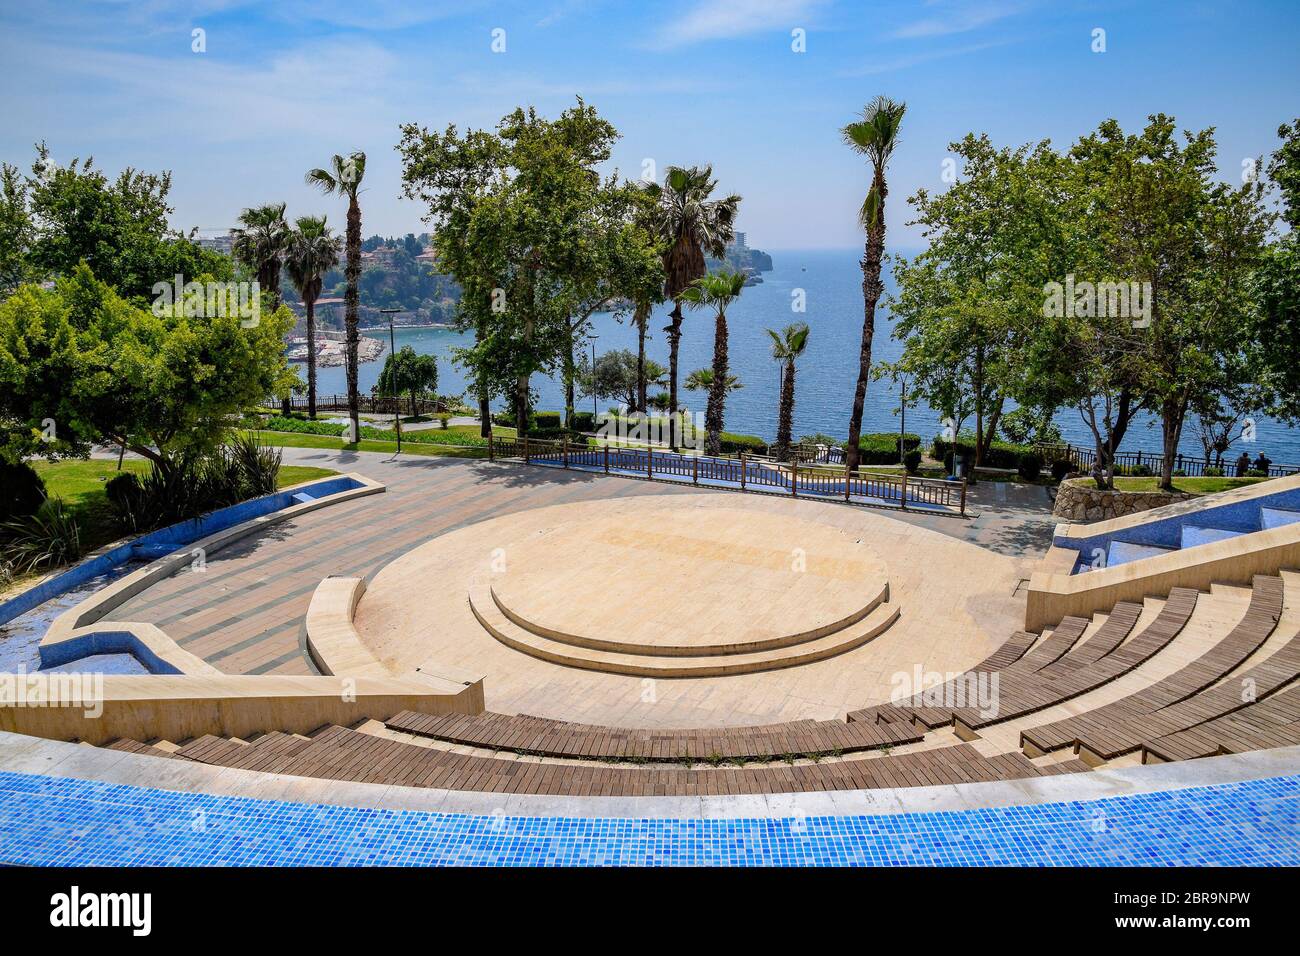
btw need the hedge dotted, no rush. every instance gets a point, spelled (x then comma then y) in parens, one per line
(999, 454)
(881, 448)
(425, 436)
(733, 444)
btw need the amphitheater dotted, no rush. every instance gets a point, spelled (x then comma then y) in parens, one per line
(482, 654)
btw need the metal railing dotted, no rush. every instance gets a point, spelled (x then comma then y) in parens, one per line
(743, 473)
(1190, 465)
(370, 404)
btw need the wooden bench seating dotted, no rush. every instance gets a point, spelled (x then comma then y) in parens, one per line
(557, 738)
(1242, 641)
(337, 753)
(1252, 685)
(127, 745)
(1022, 694)
(1273, 722)
(913, 711)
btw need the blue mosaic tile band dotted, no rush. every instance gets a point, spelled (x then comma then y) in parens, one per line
(67, 822)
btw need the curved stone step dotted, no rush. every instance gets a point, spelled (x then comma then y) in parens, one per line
(689, 650)
(643, 665)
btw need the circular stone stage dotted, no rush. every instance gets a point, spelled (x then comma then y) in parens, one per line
(727, 592)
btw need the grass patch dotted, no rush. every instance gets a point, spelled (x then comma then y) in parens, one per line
(80, 483)
(1196, 486)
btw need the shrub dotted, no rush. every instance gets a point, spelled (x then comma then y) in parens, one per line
(733, 444)
(1213, 471)
(1000, 454)
(881, 448)
(1030, 466)
(192, 485)
(1256, 473)
(584, 421)
(45, 539)
(24, 491)
(1061, 469)
(546, 420)
(912, 461)
(557, 434)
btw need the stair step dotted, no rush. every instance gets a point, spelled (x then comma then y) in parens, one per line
(1276, 517)
(641, 665)
(1122, 552)
(1194, 535)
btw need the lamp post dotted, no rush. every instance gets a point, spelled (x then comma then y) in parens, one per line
(392, 382)
(594, 411)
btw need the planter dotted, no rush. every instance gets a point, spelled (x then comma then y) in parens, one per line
(1078, 500)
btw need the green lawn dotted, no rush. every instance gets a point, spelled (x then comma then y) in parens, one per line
(298, 440)
(1198, 486)
(81, 486)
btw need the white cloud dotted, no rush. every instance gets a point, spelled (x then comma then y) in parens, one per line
(960, 17)
(725, 19)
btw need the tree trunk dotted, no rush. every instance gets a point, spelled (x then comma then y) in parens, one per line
(351, 302)
(1172, 414)
(674, 330)
(311, 357)
(785, 419)
(713, 415)
(641, 318)
(872, 288)
(484, 416)
(570, 374)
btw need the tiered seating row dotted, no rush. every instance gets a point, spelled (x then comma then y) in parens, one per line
(557, 738)
(1095, 725)
(337, 753)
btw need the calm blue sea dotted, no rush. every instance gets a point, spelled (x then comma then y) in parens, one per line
(832, 282)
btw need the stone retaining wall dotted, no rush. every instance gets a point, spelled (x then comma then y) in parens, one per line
(1079, 500)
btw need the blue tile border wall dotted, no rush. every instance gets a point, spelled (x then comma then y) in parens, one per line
(62, 821)
(1167, 532)
(158, 543)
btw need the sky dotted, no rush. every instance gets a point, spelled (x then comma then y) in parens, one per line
(758, 89)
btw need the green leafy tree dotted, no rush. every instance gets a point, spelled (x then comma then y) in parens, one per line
(788, 346)
(343, 178)
(117, 227)
(874, 136)
(1274, 328)
(689, 225)
(515, 212)
(618, 376)
(16, 230)
(717, 292)
(1160, 218)
(312, 249)
(79, 365)
(410, 373)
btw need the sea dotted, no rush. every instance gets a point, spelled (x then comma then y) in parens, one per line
(829, 283)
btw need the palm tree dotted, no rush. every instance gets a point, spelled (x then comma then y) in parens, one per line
(701, 380)
(344, 178)
(719, 291)
(787, 346)
(259, 244)
(690, 225)
(312, 251)
(874, 136)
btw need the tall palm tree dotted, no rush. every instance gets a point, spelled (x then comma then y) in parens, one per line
(788, 346)
(718, 291)
(343, 178)
(874, 136)
(259, 244)
(312, 251)
(690, 225)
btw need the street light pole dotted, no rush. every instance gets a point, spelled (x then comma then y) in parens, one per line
(392, 382)
(594, 411)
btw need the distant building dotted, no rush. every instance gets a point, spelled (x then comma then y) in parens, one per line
(217, 243)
